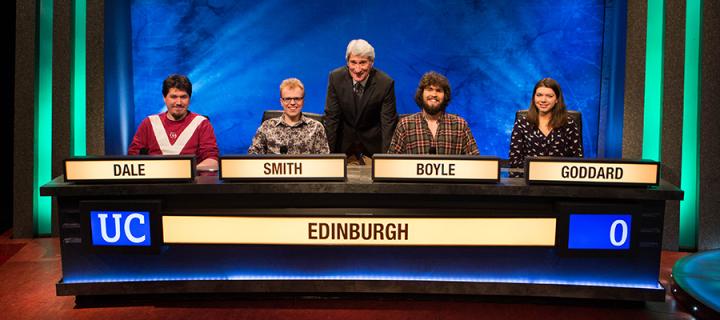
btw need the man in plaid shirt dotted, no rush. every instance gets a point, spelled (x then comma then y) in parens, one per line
(432, 131)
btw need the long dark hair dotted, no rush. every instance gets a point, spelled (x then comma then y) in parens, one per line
(558, 115)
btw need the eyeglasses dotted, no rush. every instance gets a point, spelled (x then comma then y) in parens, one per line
(291, 99)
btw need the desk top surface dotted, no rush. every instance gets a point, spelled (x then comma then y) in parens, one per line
(359, 181)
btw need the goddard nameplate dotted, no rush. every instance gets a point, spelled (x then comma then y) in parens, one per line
(128, 169)
(284, 167)
(435, 168)
(577, 171)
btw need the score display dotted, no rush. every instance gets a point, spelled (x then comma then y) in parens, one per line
(599, 231)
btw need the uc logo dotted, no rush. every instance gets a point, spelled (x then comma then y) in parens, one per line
(120, 228)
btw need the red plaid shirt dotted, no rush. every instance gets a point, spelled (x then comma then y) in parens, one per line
(413, 136)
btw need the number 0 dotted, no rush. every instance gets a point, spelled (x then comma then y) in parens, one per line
(623, 238)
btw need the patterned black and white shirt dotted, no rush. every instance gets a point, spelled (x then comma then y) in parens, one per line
(305, 137)
(527, 140)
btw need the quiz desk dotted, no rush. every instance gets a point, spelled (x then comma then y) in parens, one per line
(378, 261)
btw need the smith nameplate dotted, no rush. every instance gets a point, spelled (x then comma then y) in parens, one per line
(129, 169)
(435, 168)
(273, 168)
(573, 171)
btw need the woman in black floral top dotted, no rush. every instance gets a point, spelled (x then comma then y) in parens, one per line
(547, 130)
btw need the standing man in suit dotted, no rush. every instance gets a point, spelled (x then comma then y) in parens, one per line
(360, 106)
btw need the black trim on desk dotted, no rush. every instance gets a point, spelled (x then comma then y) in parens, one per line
(360, 186)
(360, 286)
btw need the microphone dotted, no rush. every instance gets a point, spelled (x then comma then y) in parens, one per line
(283, 149)
(144, 151)
(433, 150)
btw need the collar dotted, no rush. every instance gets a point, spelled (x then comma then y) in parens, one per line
(364, 82)
(164, 115)
(440, 119)
(281, 121)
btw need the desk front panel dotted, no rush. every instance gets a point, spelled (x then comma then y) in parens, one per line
(624, 256)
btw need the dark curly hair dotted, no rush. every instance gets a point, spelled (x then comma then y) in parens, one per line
(433, 78)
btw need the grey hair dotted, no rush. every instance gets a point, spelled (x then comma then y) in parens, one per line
(360, 47)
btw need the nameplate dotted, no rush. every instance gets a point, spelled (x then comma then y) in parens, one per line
(359, 231)
(598, 172)
(436, 168)
(284, 167)
(129, 169)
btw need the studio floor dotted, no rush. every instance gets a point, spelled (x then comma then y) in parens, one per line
(29, 269)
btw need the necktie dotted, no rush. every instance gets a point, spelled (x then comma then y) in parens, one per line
(358, 89)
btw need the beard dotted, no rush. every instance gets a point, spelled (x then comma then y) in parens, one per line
(433, 110)
(179, 116)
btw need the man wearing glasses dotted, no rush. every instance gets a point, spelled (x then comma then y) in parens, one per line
(360, 113)
(292, 132)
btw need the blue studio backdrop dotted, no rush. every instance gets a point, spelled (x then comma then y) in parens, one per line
(236, 53)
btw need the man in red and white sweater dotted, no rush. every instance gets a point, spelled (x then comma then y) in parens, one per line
(177, 131)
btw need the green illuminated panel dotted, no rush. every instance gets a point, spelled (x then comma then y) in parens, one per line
(78, 79)
(42, 206)
(691, 126)
(652, 127)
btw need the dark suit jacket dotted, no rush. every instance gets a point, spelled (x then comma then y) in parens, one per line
(372, 122)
